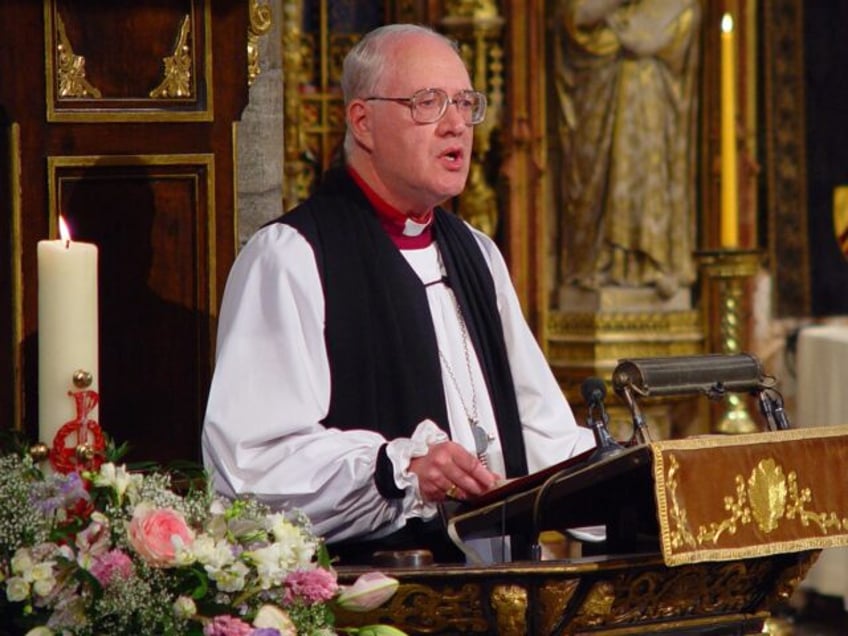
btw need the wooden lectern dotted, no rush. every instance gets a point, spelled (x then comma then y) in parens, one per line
(704, 536)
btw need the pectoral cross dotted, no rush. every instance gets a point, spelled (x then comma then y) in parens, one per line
(481, 442)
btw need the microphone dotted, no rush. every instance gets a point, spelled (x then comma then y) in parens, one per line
(594, 390)
(771, 405)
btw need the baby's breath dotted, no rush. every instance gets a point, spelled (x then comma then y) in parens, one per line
(21, 523)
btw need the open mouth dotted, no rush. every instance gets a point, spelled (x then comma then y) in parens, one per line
(454, 155)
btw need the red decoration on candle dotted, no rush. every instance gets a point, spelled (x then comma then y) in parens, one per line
(87, 432)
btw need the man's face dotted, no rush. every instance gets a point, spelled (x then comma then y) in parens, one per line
(417, 166)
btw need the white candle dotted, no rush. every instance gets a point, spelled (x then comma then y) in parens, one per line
(729, 174)
(67, 328)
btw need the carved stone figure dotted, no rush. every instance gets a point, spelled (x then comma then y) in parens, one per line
(626, 79)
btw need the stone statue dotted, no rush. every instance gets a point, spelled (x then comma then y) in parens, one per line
(626, 79)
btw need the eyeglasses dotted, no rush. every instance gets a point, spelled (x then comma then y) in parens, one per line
(429, 105)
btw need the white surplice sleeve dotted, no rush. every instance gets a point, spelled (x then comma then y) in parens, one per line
(551, 433)
(271, 389)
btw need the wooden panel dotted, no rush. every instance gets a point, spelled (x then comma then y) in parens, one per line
(156, 197)
(104, 63)
(152, 221)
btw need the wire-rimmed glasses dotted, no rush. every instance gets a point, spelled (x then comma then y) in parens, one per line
(429, 105)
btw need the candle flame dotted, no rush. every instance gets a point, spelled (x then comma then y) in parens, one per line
(64, 231)
(727, 23)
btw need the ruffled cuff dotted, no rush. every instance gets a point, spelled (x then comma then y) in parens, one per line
(400, 452)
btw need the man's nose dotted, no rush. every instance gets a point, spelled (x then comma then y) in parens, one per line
(453, 118)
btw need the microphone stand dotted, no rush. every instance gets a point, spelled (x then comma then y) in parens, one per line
(605, 445)
(641, 434)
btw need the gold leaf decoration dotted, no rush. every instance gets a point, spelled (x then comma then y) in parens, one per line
(71, 67)
(766, 497)
(260, 24)
(510, 605)
(177, 80)
(767, 494)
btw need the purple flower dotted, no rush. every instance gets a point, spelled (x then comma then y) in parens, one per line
(58, 492)
(312, 586)
(110, 565)
(227, 626)
(265, 631)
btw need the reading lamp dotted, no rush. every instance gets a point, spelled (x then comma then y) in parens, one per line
(713, 375)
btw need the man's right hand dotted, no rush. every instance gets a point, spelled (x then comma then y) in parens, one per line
(449, 471)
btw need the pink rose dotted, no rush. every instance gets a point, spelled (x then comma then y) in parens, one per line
(155, 534)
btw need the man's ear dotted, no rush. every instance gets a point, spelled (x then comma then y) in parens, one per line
(359, 120)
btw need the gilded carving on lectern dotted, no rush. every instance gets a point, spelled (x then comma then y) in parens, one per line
(177, 74)
(420, 608)
(598, 604)
(71, 67)
(553, 597)
(510, 605)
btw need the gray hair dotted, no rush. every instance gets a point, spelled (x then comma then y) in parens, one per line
(366, 62)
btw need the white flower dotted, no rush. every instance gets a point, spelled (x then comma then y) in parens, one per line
(29, 572)
(22, 561)
(43, 588)
(17, 589)
(272, 563)
(212, 554)
(41, 630)
(301, 548)
(117, 478)
(295, 544)
(232, 578)
(184, 607)
(42, 578)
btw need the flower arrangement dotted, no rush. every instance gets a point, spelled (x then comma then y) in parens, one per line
(110, 551)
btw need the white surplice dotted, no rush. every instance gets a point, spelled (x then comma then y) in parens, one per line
(271, 389)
